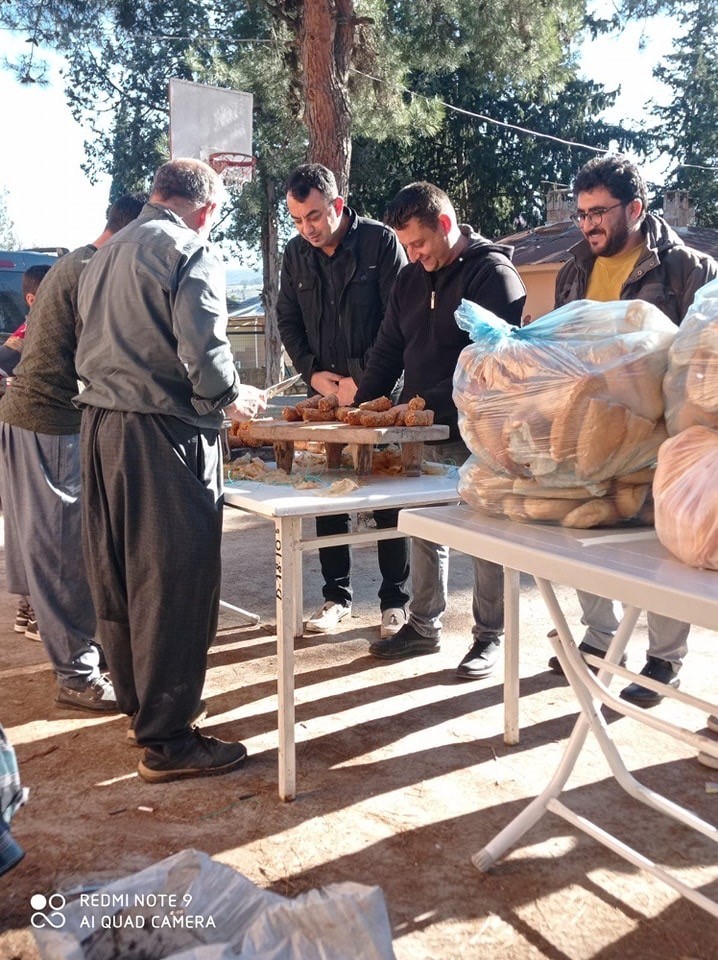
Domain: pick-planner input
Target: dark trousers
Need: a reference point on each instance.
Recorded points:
(152, 527)
(393, 556)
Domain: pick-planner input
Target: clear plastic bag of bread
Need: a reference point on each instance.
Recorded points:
(690, 386)
(572, 400)
(686, 496)
(608, 503)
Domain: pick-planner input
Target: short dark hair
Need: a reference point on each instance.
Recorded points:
(617, 174)
(124, 211)
(189, 179)
(312, 176)
(421, 201)
(32, 276)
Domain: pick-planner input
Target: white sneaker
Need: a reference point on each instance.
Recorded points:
(392, 620)
(327, 618)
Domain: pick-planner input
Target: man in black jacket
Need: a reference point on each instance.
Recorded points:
(336, 278)
(419, 335)
(629, 254)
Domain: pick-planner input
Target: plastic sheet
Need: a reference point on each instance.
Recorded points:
(686, 497)
(691, 382)
(189, 907)
(567, 408)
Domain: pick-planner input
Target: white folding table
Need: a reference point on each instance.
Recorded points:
(628, 565)
(287, 507)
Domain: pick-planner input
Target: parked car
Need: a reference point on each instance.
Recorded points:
(13, 263)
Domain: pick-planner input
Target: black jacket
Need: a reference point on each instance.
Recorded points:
(666, 275)
(419, 333)
(375, 258)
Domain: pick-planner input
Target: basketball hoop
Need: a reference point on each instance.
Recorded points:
(235, 169)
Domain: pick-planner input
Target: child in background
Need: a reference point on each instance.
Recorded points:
(11, 350)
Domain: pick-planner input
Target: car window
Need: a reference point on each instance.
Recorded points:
(11, 312)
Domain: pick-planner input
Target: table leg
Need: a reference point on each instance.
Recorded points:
(284, 454)
(511, 656)
(362, 456)
(411, 456)
(513, 832)
(287, 531)
(334, 455)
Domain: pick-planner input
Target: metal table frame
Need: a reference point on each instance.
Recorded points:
(287, 508)
(626, 565)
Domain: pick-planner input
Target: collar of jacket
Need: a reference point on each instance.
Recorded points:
(156, 211)
(480, 244)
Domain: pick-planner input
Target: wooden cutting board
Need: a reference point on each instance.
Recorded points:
(335, 436)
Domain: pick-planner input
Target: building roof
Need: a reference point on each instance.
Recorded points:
(551, 243)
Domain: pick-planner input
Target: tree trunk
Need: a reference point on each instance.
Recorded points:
(326, 41)
(270, 292)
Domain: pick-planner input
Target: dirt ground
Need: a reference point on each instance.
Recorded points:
(402, 776)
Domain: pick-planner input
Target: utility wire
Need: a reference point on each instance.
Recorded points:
(508, 126)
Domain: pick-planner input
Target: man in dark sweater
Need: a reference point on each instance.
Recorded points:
(419, 335)
(40, 480)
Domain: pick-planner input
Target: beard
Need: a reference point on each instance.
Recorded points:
(616, 241)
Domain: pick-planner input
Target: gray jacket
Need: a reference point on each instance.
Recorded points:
(667, 275)
(154, 323)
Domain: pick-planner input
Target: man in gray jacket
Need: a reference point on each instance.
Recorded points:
(159, 378)
(629, 254)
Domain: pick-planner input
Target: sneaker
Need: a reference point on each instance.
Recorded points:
(480, 661)
(32, 631)
(328, 617)
(24, 615)
(197, 717)
(406, 642)
(392, 620)
(660, 670)
(96, 695)
(584, 647)
(197, 757)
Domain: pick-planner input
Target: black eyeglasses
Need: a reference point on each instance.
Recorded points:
(594, 217)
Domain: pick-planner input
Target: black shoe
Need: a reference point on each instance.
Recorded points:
(660, 670)
(480, 661)
(584, 647)
(405, 643)
(97, 695)
(198, 756)
(197, 717)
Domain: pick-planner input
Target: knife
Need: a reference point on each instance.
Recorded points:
(280, 387)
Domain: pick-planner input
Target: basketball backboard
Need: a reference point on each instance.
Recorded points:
(209, 123)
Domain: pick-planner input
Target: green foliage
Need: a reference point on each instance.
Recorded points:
(688, 132)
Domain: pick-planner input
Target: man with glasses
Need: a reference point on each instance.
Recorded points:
(336, 278)
(629, 254)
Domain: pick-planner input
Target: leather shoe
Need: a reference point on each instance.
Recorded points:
(584, 647)
(405, 643)
(660, 670)
(480, 661)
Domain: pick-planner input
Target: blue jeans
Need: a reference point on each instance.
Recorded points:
(667, 638)
(430, 573)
